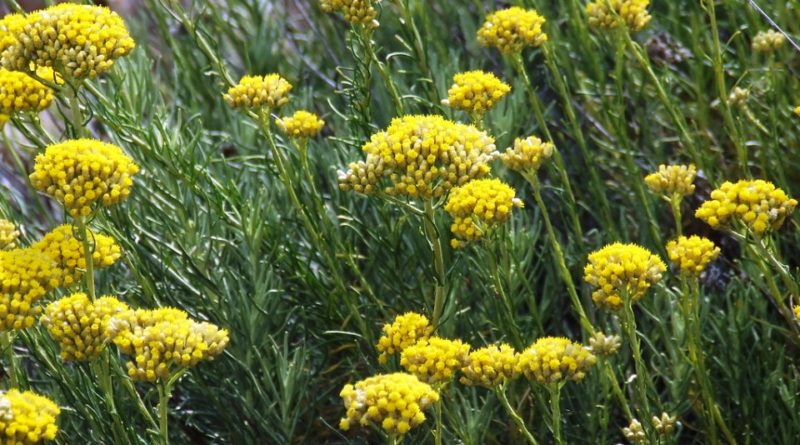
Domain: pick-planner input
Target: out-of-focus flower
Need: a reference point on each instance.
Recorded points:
(604, 345)
(27, 418)
(20, 93)
(631, 13)
(357, 12)
(672, 180)
(769, 41)
(664, 424)
(26, 275)
(634, 432)
(8, 234)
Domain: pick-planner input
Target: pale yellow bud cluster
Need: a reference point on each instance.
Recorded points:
(769, 41)
(256, 92)
(664, 424)
(621, 271)
(634, 432)
(301, 125)
(490, 366)
(555, 359)
(604, 345)
(609, 14)
(435, 360)
(528, 154)
(672, 180)
(738, 97)
(360, 12)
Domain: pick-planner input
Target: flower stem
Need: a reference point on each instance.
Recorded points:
(366, 39)
(78, 129)
(438, 432)
(629, 325)
(7, 343)
(102, 372)
(675, 205)
(432, 233)
(88, 251)
(164, 394)
(555, 411)
(501, 394)
(510, 321)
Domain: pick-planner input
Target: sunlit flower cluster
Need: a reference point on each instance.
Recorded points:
(692, 254)
(21, 93)
(301, 124)
(435, 360)
(512, 30)
(672, 180)
(66, 249)
(758, 204)
(8, 234)
(421, 156)
(27, 418)
(259, 92)
(621, 271)
(768, 41)
(631, 13)
(361, 12)
(477, 206)
(404, 331)
(79, 325)
(555, 359)
(490, 366)
(395, 402)
(476, 91)
(527, 154)
(26, 275)
(78, 41)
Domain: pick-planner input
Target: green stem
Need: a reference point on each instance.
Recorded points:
(78, 129)
(421, 56)
(501, 394)
(366, 39)
(432, 233)
(393, 439)
(510, 322)
(12, 367)
(164, 394)
(555, 411)
(629, 326)
(438, 432)
(88, 251)
(617, 389)
(102, 372)
(675, 205)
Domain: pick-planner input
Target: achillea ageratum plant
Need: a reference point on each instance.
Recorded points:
(512, 30)
(406, 330)
(767, 42)
(394, 402)
(672, 180)
(8, 234)
(490, 366)
(757, 204)
(67, 251)
(631, 13)
(420, 156)
(268, 92)
(692, 254)
(27, 418)
(26, 275)
(357, 12)
(555, 359)
(527, 154)
(621, 271)
(21, 93)
(80, 326)
(435, 360)
(301, 125)
(475, 92)
(78, 41)
(478, 206)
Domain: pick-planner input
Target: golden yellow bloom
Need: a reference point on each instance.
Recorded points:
(301, 124)
(79, 325)
(435, 360)
(403, 332)
(692, 254)
(490, 366)
(632, 13)
(8, 234)
(66, 249)
(26, 275)
(255, 92)
(512, 30)
(555, 359)
(604, 345)
(797, 110)
(361, 12)
(527, 154)
(11, 25)
(421, 156)
(672, 180)
(83, 173)
(619, 271)
(395, 402)
(78, 41)
(20, 93)
(757, 204)
(161, 341)
(475, 92)
(478, 206)
(768, 41)
(27, 418)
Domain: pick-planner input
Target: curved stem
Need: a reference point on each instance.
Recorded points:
(366, 39)
(501, 394)
(432, 234)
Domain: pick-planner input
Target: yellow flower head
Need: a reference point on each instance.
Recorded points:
(672, 180)
(11, 25)
(396, 402)
(619, 271)
(692, 254)
(512, 30)
(301, 125)
(435, 360)
(26, 275)
(80, 326)
(21, 93)
(421, 156)
(256, 92)
(555, 359)
(769, 41)
(8, 234)
(796, 310)
(757, 204)
(631, 13)
(66, 250)
(164, 340)
(527, 154)
(403, 332)
(84, 173)
(490, 366)
(78, 41)
(27, 418)
(357, 12)
(476, 92)
(477, 206)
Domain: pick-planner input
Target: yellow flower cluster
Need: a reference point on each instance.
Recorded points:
(66, 249)
(796, 310)
(604, 345)
(83, 173)
(256, 92)
(394, 401)
(422, 156)
(8, 234)
(403, 332)
(476, 91)
(769, 41)
(11, 25)
(527, 154)
(27, 418)
(301, 124)
(634, 432)
(692, 254)
(78, 41)
(756, 203)
(555, 359)
(490, 366)
(21, 93)
(435, 360)
(672, 180)
(163, 340)
(79, 325)
(619, 271)
(512, 30)
(477, 206)
(361, 12)
(631, 13)
(26, 275)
